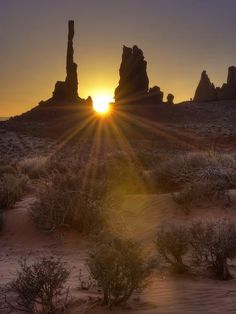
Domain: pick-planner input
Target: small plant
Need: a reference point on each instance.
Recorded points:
(120, 170)
(214, 243)
(34, 167)
(39, 288)
(64, 202)
(181, 170)
(200, 192)
(1, 221)
(7, 169)
(119, 269)
(172, 245)
(11, 189)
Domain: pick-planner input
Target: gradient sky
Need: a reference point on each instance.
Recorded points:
(179, 38)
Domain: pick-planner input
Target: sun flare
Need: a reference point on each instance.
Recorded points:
(101, 104)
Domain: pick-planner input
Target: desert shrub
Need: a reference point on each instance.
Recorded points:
(185, 169)
(200, 192)
(172, 245)
(7, 169)
(66, 202)
(1, 220)
(11, 189)
(34, 167)
(77, 192)
(39, 288)
(119, 268)
(120, 170)
(150, 159)
(213, 244)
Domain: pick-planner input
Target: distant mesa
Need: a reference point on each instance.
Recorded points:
(206, 90)
(134, 82)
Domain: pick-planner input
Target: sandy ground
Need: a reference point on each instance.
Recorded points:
(166, 293)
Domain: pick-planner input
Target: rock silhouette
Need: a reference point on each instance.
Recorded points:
(155, 95)
(206, 90)
(68, 89)
(134, 83)
(65, 109)
(133, 74)
(228, 90)
(66, 92)
(170, 99)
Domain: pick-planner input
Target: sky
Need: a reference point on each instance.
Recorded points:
(179, 38)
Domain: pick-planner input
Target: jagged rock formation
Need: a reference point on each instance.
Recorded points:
(133, 74)
(65, 110)
(68, 90)
(170, 99)
(206, 90)
(228, 90)
(134, 83)
(155, 95)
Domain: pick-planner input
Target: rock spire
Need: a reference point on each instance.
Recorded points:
(134, 83)
(133, 74)
(68, 90)
(206, 90)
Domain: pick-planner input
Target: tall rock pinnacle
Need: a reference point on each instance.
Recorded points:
(206, 90)
(134, 83)
(68, 90)
(133, 74)
(71, 67)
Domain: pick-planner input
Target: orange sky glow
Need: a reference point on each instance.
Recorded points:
(179, 39)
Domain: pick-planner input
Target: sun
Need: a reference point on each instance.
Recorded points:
(101, 104)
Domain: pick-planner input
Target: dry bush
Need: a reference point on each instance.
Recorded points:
(39, 288)
(7, 169)
(11, 189)
(201, 192)
(149, 158)
(78, 192)
(172, 244)
(180, 170)
(119, 170)
(34, 167)
(66, 202)
(1, 221)
(119, 268)
(213, 244)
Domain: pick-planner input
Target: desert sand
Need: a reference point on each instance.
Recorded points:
(166, 293)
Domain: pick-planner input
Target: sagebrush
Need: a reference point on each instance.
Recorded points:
(12, 187)
(181, 170)
(39, 288)
(120, 269)
(172, 244)
(213, 244)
